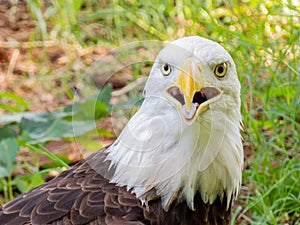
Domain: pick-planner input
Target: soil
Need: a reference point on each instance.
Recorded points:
(41, 72)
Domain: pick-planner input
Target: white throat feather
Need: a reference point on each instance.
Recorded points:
(157, 150)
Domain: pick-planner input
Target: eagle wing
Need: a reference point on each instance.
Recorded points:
(81, 195)
(84, 195)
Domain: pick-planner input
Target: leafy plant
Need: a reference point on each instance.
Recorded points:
(34, 131)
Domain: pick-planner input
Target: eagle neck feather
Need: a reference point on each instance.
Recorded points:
(158, 151)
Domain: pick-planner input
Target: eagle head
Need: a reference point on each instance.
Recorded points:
(185, 138)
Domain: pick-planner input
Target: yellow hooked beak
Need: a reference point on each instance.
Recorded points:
(190, 92)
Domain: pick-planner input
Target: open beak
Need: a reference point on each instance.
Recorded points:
(190, 92)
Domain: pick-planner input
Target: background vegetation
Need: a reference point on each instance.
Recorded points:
(41, 70)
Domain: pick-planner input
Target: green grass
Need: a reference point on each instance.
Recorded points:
(262, 37)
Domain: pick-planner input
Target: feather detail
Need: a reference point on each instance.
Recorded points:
(179, 166)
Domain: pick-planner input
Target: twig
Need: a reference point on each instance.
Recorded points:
(12, 63)
(129, 87)
(29, 44)
(243, 216)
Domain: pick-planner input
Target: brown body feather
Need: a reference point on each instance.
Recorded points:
(84, 195)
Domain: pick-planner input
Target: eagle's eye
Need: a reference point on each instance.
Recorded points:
(220, 70)
(165, 69)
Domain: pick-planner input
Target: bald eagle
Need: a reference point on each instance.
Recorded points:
(178, 160)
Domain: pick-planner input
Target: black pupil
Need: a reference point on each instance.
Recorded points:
(166, 67)
(220, 69)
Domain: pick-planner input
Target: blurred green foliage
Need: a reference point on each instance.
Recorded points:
(33, 131)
